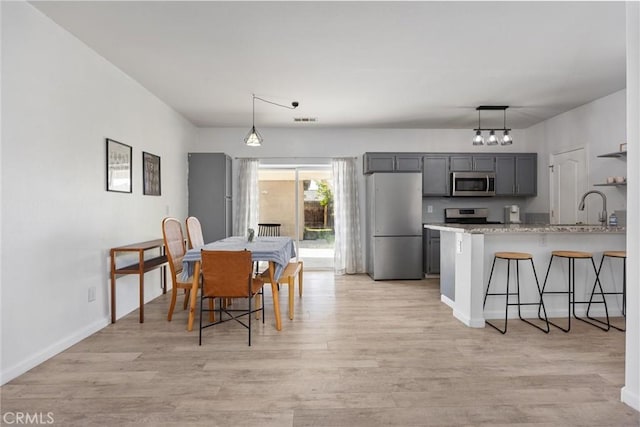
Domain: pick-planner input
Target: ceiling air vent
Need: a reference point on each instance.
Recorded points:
(305, 119)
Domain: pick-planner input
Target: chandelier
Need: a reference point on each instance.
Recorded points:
(478, 139)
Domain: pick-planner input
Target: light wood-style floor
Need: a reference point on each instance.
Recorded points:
(359, 353)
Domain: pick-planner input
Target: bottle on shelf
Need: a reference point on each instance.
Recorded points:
(613, 220)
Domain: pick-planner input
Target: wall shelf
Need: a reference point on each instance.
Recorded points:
(617, 155)
(619, 184)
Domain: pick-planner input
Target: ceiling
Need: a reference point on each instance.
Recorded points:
(359, 64)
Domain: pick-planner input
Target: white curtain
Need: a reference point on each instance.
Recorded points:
(247, 202)
(348, 250)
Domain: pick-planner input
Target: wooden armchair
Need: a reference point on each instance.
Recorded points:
(175, 250)
(229, 274)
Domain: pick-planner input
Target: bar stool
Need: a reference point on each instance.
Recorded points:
(516, 257)
(620, 255)
(571, 257)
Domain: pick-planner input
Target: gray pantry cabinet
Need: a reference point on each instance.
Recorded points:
(209, 184)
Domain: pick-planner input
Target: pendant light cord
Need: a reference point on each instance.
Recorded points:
(253, 113)
(293, 107)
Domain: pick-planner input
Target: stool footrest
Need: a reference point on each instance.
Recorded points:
(516, 257)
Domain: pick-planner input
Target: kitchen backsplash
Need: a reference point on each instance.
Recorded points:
(537, 218)
(494, 204)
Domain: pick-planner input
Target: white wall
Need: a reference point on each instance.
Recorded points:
(631, 390)
(599, 127)
(60, 101)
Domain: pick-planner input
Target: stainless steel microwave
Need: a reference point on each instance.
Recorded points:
(473, 184)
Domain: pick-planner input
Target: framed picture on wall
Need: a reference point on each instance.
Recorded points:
(150, 174)
(118, 166)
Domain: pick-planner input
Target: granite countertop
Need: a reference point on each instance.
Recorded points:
(525, 228)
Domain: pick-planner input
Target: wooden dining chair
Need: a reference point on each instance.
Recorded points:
(194, 232)
(175, 250)
(268, 229)
(229, 274)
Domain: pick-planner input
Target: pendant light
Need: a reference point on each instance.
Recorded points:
(493, 140)
(478, 139)
(253, 138)
(506, 138)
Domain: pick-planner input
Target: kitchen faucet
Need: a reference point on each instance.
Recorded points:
(602, 217)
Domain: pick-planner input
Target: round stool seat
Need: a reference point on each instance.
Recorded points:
(513, 255)
(615, 254)
(572, 254)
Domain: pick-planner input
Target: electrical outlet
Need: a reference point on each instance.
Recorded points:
(458, 243)
(429, 209)
(92, 293)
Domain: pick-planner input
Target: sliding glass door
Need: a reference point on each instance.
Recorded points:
(300, 199)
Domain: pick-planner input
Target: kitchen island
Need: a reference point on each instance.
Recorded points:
(466, 254)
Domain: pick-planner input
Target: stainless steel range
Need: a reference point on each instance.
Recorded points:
(467, 216)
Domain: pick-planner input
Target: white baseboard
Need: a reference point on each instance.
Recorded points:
(472, 323)
(47, 353)
(630, 398)
(447, 301)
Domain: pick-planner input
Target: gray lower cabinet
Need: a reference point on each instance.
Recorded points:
(435, 175)
(431, 243)
(209, 183)
(516, 175)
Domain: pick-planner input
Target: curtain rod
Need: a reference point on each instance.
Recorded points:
(295, 158)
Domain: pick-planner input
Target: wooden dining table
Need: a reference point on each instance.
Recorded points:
(277, 251)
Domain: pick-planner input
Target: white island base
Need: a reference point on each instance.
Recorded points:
(467, 254)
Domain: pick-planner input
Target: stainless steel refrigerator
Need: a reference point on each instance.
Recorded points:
(394, 226)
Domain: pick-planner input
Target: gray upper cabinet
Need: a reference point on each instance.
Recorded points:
(435, 175)
(378, 162)
(471, 162)
(505, 175)
(460, 163)
(527, 175)
(408, 163)
(209, 183)
(516, 175)
(392, 162)
(484, 163)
